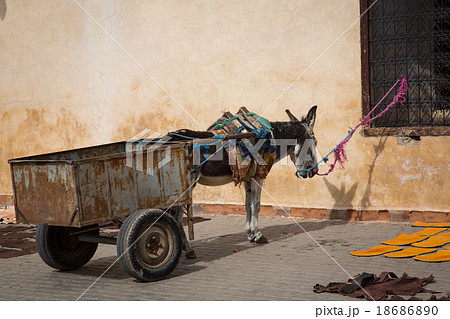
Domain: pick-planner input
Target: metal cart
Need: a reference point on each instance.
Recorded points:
(70, 195)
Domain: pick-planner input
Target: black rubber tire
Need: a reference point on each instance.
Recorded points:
(149, 244)
(60, 250)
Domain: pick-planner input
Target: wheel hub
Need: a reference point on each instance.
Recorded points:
(155, 246)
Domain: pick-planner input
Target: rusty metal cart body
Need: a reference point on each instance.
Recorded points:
(71, 194)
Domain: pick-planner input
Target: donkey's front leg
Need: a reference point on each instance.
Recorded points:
(252, 206)
(178, 215)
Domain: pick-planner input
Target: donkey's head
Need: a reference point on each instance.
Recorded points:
(304, 153)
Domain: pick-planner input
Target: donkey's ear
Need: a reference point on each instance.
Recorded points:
(311, 117)
(291, 116)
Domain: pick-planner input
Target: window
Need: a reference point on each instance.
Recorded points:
(410, 38)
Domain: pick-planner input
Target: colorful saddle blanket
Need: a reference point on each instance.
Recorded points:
(244, 165)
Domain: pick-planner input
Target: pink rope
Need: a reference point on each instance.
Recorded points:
(339, 152)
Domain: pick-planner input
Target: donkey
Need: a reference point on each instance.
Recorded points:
(290, 137)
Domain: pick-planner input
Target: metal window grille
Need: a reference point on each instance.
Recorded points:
(411, 38)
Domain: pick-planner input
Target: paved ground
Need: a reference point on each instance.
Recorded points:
(7, 214)
(286, 268)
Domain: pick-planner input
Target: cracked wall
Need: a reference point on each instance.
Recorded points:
(67, 84)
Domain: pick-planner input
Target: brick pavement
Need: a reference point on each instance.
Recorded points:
(284, 269)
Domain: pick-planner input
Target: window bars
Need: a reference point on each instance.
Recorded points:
(411, 38)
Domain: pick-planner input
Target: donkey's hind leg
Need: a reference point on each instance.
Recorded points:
(252, 206)
(178, 215)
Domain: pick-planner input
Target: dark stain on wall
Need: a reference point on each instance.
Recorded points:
(2, 9)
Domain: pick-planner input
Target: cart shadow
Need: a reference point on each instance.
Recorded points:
(207, 250)
(96, 268)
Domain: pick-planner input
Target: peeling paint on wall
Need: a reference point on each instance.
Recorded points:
(405, 178)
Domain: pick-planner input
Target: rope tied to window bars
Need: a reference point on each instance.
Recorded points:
(339, 153)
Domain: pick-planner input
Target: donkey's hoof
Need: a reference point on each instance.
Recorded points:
(262, 240)
(191, 255)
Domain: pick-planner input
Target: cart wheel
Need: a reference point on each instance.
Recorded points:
(149, 244)
(61, 250)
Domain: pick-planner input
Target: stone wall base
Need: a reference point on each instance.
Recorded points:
(398, 216)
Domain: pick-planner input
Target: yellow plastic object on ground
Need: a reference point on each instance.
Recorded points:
(434, 241)
(404, 239)
(374, 251)
(429, 231)
(422, 224)
(410, 252)
(440, 255)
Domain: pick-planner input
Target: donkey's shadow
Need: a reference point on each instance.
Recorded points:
(215, 248)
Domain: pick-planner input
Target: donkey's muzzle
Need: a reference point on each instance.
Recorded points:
(303, 174)
(308, 172)
(312, 172)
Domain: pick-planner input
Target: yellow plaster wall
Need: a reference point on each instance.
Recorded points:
(65, 83)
